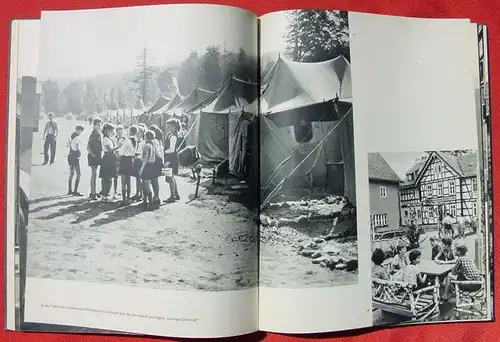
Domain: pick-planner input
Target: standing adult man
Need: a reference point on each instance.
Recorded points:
(94, 148)
(50, 135)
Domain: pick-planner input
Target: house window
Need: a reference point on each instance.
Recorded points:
(452, 187)
(406, 213)
(474, 209)
(410, 177)
(453, 210)
(440, 189)
(383, 192)
(429, 190)
(474, 184)
(379, 220)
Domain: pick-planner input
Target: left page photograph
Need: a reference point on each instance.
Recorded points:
(142, 210)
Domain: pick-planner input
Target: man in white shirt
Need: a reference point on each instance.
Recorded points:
(50, 135)
(74, 154)
(126, 171)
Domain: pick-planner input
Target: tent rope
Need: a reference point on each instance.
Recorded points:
(278, 187)
(290, 153)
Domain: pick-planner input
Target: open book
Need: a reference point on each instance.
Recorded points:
(306, 171)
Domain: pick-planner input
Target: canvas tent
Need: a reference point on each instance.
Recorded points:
(153, 116)
(193, 99)
(222, 123)
(306, 127)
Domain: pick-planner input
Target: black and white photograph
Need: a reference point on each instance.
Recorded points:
(142, 157)
(428, 256)
(308, 235)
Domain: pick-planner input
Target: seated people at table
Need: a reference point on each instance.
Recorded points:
(436, 248)
(400, 259)
(410, 274)
(464, 270)
(445, 256)
(378, 271)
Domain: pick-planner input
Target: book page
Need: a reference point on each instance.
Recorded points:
(420, 112)
(329, 100)
(21, 117)
(182, 261)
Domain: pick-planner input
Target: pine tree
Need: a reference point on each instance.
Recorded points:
(143, 79)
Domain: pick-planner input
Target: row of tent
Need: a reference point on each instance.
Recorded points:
(294, 97)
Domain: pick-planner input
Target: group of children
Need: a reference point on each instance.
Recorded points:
(142, 154)
(404, 266)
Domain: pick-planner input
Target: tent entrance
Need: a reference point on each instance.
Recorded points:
(335, 177)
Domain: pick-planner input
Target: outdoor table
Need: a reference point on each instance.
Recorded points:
(432, 268)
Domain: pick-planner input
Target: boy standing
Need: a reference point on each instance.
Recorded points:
(74, 154)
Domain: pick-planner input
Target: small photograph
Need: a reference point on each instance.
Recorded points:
(308, 235)
(427, 249)
(141, 168)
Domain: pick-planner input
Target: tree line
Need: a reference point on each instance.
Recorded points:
(311, 36)
(141, 89)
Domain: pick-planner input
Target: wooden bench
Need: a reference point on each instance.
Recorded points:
(400, 298)
(470, 302)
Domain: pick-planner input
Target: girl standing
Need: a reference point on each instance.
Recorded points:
(158, 145)
(171, 158)
(126, 170)
(108, 165)
(147, 171)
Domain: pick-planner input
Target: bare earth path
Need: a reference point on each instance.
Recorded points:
(208, 244)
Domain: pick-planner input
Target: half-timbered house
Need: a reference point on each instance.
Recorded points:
(443, 183)
(384, 194)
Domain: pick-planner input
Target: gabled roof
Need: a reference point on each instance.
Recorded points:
(464, 165)
(379, 169)
(468, 164)
(417, 168)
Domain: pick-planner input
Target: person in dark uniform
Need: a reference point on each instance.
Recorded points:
(74, 154)
(171, 158)
(139, 138)
(49, 135)
(148, 169)
(94, 148)
(158, 145)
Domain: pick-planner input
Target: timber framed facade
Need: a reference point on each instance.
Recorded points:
(444, 183)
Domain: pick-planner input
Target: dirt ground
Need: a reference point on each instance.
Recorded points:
(209, 244)
(288, 231)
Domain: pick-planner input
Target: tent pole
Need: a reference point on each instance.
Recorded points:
(271, 195)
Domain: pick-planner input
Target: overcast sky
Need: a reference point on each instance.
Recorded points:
(401, 162)
(27, 38)
(273, 30)
(91, 42)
